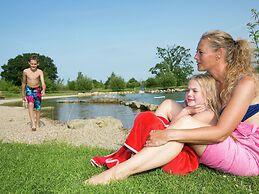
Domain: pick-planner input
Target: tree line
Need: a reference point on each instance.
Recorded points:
(173, 70)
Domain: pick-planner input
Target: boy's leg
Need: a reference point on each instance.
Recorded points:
(31, 114)
(37, 118)
(37, 105)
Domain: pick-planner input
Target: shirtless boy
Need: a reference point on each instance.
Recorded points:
(31, 90)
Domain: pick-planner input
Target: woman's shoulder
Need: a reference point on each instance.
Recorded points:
(244, 92)
(247, 82)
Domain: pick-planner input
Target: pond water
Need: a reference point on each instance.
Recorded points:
(68, 111)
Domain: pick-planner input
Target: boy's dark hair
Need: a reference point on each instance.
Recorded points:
(34, 57)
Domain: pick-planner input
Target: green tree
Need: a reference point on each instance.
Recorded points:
(71, 84)
(98, 84)
(115, 83)
(108, 80)
(253, 28)
(167, 79)
(83, 83)
(50, 85)
(175, 60)
(151, 82)
(132, 83)
(12, 71)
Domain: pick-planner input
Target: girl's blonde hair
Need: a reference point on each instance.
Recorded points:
(238, 57)
(209, 91)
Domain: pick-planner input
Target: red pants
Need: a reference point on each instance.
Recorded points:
(184, 163)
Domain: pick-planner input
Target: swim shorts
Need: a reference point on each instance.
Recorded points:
(34, 95)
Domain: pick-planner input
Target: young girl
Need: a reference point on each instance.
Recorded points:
(201, 102)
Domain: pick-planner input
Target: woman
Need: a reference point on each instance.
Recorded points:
(201, 102)
(232, 145)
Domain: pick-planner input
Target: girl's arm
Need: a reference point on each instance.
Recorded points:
(232, 115)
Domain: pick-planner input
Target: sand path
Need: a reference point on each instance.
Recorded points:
(106, 132)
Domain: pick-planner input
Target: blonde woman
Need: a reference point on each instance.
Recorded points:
(232, 145)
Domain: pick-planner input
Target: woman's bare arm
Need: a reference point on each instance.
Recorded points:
(233, 113)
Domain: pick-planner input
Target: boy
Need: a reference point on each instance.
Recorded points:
(31, 86)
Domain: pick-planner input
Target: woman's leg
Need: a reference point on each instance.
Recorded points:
(148, 158)
(168, 109)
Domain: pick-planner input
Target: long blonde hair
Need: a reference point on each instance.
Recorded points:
(238, 58)
(209, 91)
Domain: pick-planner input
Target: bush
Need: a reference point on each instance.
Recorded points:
(83, 83)
(71, 85)
(5, 85)
(132, 83)
(151, 82)
(14, 89)
(167, 80)
(116, 83)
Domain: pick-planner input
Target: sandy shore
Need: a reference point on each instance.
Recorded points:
(106, 132)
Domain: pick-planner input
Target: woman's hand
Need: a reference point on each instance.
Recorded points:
(157, 138)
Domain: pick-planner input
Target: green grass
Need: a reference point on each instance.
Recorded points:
(61, 168)
(10, 95)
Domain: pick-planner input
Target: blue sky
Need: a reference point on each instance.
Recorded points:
(101, 37)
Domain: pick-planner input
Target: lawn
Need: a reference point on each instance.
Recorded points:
(61, 168)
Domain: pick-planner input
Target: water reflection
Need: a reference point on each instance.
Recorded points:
(66, 112)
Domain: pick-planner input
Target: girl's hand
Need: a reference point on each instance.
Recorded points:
(195, 109)
(157, 138)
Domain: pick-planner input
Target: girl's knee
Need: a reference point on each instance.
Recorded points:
(168, 103)
(165, 106)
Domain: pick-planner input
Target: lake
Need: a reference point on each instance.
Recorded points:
(68, 111)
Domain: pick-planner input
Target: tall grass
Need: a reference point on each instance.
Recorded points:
(61, 168)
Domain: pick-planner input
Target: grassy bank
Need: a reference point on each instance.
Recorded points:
(61, 168)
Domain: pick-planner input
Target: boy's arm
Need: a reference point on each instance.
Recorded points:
(42, 83)
(24, 78)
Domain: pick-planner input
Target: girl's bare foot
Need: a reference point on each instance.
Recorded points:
(105, 177)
